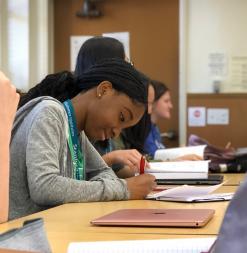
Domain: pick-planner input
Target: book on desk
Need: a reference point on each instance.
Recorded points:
(173, 153)
(167, 168)
(182, 172)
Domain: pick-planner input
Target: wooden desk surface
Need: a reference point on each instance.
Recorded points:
(71, 222)
(233, 179)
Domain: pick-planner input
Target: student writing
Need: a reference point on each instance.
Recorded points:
(108, 97)
(125, 159)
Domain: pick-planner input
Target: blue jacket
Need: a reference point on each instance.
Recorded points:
(153, 141)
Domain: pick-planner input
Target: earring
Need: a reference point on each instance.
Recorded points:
(99, 95)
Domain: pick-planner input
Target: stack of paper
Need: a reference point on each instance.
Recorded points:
(168, 169)
(188, 193)
(178, 170)
(191, 245)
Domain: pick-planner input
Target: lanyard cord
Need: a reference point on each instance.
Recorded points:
(73, 142)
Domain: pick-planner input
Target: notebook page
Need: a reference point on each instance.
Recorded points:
(181, 166)
(203, 198)
(173, 153)
(185, 191)
(191, 245)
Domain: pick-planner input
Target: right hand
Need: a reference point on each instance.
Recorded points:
(140, 186)
(189, 157)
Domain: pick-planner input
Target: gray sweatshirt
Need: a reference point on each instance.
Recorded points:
(41, 170)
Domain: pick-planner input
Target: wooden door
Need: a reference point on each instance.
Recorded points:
(153, 27)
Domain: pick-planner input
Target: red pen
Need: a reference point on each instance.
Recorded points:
(142, 164)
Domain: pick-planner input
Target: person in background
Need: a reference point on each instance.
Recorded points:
(123, 154)
(52, 160)
(161, 109)
(8, 104)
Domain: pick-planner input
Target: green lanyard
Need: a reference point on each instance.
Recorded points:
(73, 142)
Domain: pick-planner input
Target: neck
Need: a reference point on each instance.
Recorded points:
(80, 103)
(154, 118)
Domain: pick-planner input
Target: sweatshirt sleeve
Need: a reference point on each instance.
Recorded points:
(46, 154)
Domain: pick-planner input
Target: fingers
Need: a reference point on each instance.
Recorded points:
(132, 166)
(130, 157)
(190, 157)
(140, 186)
(197, 158)
(147, 165)
(228, 145)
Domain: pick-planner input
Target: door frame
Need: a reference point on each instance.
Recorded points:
(183, 37)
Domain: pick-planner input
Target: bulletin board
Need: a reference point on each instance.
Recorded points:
(234, 130)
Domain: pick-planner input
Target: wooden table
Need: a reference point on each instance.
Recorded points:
(231, 179)
(71, 222)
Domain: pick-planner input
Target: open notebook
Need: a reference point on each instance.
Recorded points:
(191, 245)
(173, 153)
(188, 193)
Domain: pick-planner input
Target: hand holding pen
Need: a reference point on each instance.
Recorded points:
(140, 186)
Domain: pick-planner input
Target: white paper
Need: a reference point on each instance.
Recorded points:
(206, 198)
(182, 166)
(173, 153)
(191, 245)
(197, 116)
(122, 37)
(217, 116)
(185, 191)
(75, 45)
(217, 64)
(179, 175)
(238, 74)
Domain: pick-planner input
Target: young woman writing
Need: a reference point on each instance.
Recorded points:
(52, 161)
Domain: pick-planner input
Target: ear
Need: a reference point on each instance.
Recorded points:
(103, 88)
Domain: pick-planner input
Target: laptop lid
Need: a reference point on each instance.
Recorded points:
(156, 217)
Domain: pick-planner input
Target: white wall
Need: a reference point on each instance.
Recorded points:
(41, 40)
(214, 26)
(26, 41)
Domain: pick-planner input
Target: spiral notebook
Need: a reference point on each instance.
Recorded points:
(191, 245)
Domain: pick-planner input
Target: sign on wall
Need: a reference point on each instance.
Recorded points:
(196, 116)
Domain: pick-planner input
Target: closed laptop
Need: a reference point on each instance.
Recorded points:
(156, 217)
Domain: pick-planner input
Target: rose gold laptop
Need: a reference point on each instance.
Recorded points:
(156, 217)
